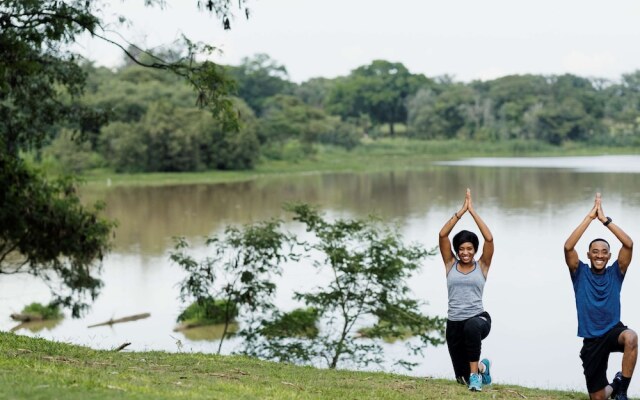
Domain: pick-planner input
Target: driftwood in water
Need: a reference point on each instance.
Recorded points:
(119, 320)
(26, 317)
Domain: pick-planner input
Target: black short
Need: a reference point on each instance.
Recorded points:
(595, 356)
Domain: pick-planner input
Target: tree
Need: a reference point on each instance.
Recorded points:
(171, 138)
(622, 109)
(225, 148)
(566, 120)
(513, 98)
(45, 230)
(239, 273)
(368, 266)
(379, 90)
(440, 114)
(259, 78)
(315, 91)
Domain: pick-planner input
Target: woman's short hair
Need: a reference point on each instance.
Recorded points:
(464, 237)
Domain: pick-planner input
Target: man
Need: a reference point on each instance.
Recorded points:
(597, 290)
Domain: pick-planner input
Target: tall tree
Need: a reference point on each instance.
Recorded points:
(258, 78)
(379, 90)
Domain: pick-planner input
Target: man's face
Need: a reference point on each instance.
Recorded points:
(599, 255)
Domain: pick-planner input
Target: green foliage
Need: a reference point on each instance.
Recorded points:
(45, 231)
(209, 311)
(43, 82)
(227, 149)
(444, 114)
(71, 156)
(339, 133)
(37, 79)
(239, 272)
(125, 95)
(287, 117)
(565, 121)
(156, 127)
(301, 322)
(168, 138)
(258, 78)
(287, 121)
(50, 311)
(315, 91)
(401, 323)
(378, 90)
(369, 267)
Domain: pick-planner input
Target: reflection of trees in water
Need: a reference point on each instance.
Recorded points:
(37, 326)
(208, 332)
(149, 216)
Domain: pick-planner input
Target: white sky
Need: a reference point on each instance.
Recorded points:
(468, 39)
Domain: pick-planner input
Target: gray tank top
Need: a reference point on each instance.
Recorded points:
(465, 293)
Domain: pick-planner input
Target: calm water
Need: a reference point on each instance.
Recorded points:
(531, 205)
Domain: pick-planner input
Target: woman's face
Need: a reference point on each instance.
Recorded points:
(466, 252)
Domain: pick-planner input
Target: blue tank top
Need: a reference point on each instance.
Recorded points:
(597, 299)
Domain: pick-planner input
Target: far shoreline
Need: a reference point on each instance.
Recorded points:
(376, 156)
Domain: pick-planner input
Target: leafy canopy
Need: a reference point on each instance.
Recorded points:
(44, 229)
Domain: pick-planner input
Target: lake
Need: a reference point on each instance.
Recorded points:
(530, 204)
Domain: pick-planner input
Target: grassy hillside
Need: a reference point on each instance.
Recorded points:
(40, 369)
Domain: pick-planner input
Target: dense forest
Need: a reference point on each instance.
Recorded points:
(151, 122)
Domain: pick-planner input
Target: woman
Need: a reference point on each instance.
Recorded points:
(467, 321)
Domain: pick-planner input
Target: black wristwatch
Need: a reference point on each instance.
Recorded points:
(607, 222)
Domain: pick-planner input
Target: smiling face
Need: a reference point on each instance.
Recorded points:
(466, 252)
(599, 255)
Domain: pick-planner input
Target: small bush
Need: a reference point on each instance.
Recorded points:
(46, 312)
(209, 312)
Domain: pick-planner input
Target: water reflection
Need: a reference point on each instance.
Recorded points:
(209, 332)
(37, 326)
(149, 216)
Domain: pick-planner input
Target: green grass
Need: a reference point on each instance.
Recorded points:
(32, 368)
(372, 156)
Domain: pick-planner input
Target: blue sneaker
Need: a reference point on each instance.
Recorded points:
(486, 375)
(475, 383)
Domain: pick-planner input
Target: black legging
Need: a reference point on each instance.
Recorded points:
(464, 339)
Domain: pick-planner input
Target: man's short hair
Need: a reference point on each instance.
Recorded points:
(599, 240)
(464, 237)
